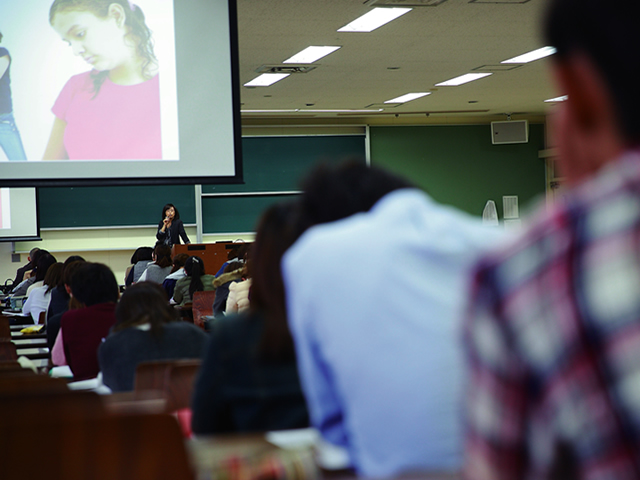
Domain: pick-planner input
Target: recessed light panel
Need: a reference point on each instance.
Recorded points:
(311, 54)
(266, 79)
(374, 19)
(531, 56)
(408, 97)
(469, 77)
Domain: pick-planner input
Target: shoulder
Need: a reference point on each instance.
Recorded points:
(185, 329)
(4, 52)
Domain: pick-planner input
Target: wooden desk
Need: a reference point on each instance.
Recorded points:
(212, 254)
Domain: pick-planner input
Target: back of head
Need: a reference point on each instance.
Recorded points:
(194, 268)
(45, 261)
(163, 255)
(605, 32)
(53, 276)
(178, 261)
(94, 283)
(332, 193)
(141, 303)
(143, 254)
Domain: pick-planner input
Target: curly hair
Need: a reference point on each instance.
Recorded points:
(134, 19)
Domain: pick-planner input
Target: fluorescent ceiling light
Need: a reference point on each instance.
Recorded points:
(374, 19)
(311, 54)
(408, 97)
(469, 77)
(558, 99)
(531, 56)
(266, 79)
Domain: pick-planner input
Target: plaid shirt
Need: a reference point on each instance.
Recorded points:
(553, 341)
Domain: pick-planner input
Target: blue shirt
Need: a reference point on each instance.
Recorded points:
(374, 304)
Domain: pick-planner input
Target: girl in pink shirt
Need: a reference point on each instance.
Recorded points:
(112, 111)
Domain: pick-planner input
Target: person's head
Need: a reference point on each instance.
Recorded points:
(596, 64)
(162, 255)
(194, 268)
(170, 211)
(142, 254)
(35, 256)
(144, 302)
(331, 193)
(32, 253)
(45, 261)
(53, 276)
(94, 283)
(68, 272)
(107, 34)
(178, 261)
(233, 266)
(274, 235)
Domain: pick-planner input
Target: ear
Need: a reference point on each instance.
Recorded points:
(117, 13)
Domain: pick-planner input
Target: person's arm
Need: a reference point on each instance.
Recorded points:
(325, 409)
(232, 299)
(57, 352)
(183, 234)
(496, 397)
(162, 231)
(178, 292)
(55, 147)
(5, 60)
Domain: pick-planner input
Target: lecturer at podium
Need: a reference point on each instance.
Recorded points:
(171, 228)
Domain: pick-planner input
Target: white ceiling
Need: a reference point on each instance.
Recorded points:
(426, 46)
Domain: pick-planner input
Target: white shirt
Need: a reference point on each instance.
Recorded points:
(37, 302)
(375, 303)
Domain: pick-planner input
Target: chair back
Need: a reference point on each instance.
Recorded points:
(202, 306)
(8, 352)
(5, 329)
(173, 378)
(42, 319)
(97, 447)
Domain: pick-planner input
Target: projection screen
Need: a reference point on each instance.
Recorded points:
(94, 100)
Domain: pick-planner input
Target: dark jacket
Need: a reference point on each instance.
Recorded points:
(238, 391)
(122, 351)
(173, 234)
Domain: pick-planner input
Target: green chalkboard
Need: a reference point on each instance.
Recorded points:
(112, 206)
(271, 164)
(458, 165)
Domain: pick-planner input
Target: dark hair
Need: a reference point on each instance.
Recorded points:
(144, 302)
(44, 263)
(233, 266)
(163, 255)
(167, 207)
(604, 31)
(141, 253)
(94, 283)
(53, 276)
(335, 192)
(67, 262)
(179, 261)
(34, 259)
(194, 268)
(134, 19)
(274, 236)
(69, 271)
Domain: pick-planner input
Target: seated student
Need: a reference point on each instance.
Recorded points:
(45, 261)
(195, 281)
(21, 289)
(177, 272)
(248, 381)
(140, 259)
(378, 345)
(22, 271)
(146, 329)
(235, 254)
(39, 298)
(55, 316)
(60, 294)
(234, 272)
(157, 271)
(82, 330)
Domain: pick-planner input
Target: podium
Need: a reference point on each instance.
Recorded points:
(212, 254)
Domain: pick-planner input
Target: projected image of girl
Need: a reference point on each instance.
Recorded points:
(10, 140)
(113, 110)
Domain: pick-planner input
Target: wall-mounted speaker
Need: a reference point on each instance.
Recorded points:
(515, 131)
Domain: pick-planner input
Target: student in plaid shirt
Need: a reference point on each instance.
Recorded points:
(553, 333)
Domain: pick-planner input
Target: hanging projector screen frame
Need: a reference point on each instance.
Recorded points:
(207, 106)
(19, 219)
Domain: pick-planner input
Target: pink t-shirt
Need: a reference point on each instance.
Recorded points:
(122, 122)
